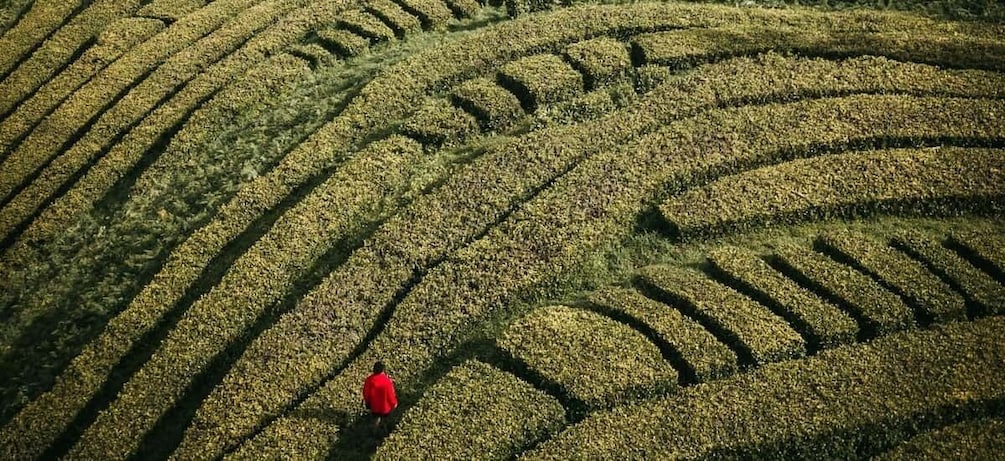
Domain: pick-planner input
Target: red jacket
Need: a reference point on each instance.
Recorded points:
(378, 393)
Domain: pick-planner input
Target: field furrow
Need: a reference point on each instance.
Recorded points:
(972, 439)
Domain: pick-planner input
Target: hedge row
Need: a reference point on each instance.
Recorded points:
(758, 335)
(365, 25)
(313, 53)
(50, 137)
(170, 10)
(541, 79)
(478, 279)
(921, 289)
(878, 310)
(594, 359)
(36, 426)
(985, 248)
(394, 16)
(823, 324)
(474, 412)
(590, 106)
(977, 286)
(602, 61)
(44, 17)
(433, 14)
(342, 42)
(258, 279)
(689, 47)
(56, 51)
(464, 8)
(440, 123)
(702, 356)
(974, 439)
(846, 403)
(115, 40)
(496, 108)
(927, 182)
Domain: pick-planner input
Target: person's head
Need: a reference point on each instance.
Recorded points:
(378, 367)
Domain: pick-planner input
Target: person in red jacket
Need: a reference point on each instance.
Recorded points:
(378, 394)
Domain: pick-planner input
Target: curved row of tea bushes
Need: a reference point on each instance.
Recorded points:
(56, 52)
(823, 324)
(986, 249)
(495, 107)
(976, 439)
(702, 357)
(685, 48)
(610, 189)
(36, 426)
(116, 39)
(338, 208)
(848, 402)
(602, 61)
(47, 153)
(475, 411)
(434, 14)
(394, 16)
(438, 224)
(170, 10)
(439, 123)
(342, 43)
(593, 359)
(42, 19)
(541, 79)
(977, 286)
(878, 310)
(758, 335)
(365, 25)
(929, 182)
(921, 289)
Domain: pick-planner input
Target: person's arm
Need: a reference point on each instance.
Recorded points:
(392, 397)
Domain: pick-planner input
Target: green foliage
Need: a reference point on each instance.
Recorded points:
(496, 108)
(822, 323)
(603, 61)
(976, 439)
(365, 25)
(926, 182)
(977, 286)
(987, 249)
(394, 16)
(879, 310)
(342, 42)
(169, 10)
(849, 402)
(439, 123)
(594, 359)
(919, 287)
(475, 411)
(747, 326)
(704, 357)
(541, 79)
(434, 14)
(114, 40)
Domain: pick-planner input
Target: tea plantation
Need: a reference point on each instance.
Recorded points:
(571, 230)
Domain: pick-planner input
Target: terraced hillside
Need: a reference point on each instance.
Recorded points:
(634, 229)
